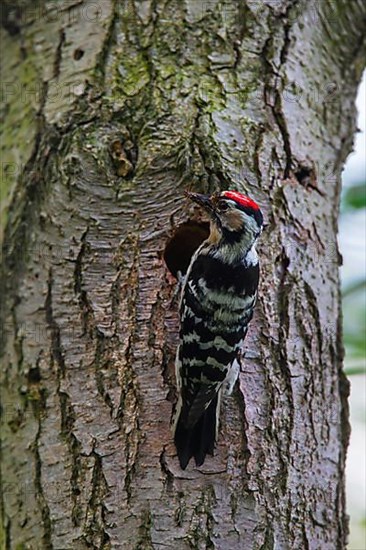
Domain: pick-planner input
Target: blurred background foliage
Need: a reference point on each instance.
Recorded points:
(352, 242)
(352, 232)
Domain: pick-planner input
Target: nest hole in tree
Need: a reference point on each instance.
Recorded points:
(182, 245)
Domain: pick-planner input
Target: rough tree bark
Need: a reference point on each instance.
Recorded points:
(110, 110)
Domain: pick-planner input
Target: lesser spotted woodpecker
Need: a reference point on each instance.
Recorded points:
(216, 305)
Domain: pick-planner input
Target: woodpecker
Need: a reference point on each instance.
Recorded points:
(216, 305)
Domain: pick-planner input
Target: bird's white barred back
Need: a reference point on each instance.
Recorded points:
(217, 302)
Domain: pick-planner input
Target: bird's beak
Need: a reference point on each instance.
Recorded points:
(202, 200)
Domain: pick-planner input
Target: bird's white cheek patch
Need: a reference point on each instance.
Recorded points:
(233, 220)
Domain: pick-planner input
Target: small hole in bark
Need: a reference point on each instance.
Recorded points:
(78, 54)
(305, 175)
(34, 376)
(183, 244)
(11, 18)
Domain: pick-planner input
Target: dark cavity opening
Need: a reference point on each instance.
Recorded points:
(78, 54)
(34, 376)
(183, 244)
(305, 175)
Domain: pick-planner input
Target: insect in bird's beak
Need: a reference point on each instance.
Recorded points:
(203, 200)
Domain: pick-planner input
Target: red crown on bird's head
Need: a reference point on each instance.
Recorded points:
(241, 199)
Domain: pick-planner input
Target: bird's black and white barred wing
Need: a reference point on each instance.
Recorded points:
(214, 320)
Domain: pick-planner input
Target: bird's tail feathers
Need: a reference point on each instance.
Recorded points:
(197, 440)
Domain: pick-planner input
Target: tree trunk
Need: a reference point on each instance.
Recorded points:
(110, 111)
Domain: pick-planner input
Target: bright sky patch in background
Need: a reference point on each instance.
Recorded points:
(352, 231)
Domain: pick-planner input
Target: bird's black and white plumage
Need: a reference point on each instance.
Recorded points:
(216, 306)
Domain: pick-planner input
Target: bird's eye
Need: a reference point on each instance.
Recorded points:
(223, 206)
